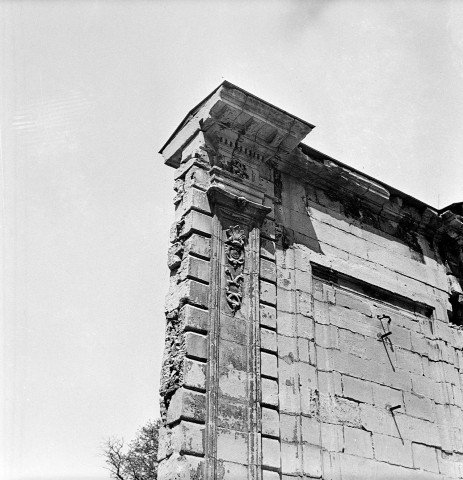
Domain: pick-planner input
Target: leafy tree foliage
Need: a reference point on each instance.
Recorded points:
(137, 461)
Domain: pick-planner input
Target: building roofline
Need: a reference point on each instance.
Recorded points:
(227, 84)
(310, 151)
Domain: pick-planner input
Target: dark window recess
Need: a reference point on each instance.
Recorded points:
(371, 291)
(456, 314)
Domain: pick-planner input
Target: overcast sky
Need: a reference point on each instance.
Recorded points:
(92, 90)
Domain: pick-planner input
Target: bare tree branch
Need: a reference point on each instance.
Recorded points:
(139, 460)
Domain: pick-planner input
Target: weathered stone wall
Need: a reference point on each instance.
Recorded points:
(307, 321)
(359, 402)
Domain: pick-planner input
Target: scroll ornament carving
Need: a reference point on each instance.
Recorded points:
(235, 255)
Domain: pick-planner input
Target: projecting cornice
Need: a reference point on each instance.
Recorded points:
(451, 219)
(233, 131)
(271, 130)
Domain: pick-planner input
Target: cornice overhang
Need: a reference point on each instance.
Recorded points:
(246, 123)
(451, 223)
(232, 108)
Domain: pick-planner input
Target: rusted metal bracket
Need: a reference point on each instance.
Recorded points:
(384, 337)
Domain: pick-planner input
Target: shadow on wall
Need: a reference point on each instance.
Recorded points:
(300, 208)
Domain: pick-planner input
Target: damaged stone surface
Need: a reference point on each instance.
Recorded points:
(314, 318)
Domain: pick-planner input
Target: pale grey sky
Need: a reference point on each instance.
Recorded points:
(92, 89)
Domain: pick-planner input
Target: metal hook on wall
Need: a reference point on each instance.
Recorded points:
(384, 337)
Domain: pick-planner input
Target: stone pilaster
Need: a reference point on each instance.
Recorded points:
(219, 394)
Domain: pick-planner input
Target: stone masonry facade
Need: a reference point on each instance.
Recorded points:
(313, 321)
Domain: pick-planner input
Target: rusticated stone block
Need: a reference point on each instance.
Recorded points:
(269, 392)
(268, 340)
(196, 346)
(194, 318)
(270, 422)
(195, 293)
(188, 291)
(269, 365)
(268, 316)
(198, 245)
(195, 222)
(194, 374)
(268, 292)
(187, 405)
(270, 452)
(268, 270)
(193, 198)
(194, 268)
(188, 438)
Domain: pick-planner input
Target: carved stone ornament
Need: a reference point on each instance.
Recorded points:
(234, 253)
(237, 168)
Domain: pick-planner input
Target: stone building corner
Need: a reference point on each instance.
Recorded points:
(313, 316)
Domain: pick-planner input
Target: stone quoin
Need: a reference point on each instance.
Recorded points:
(313, 321)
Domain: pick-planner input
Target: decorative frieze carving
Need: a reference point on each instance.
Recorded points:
(235, 256)
(237, 168)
